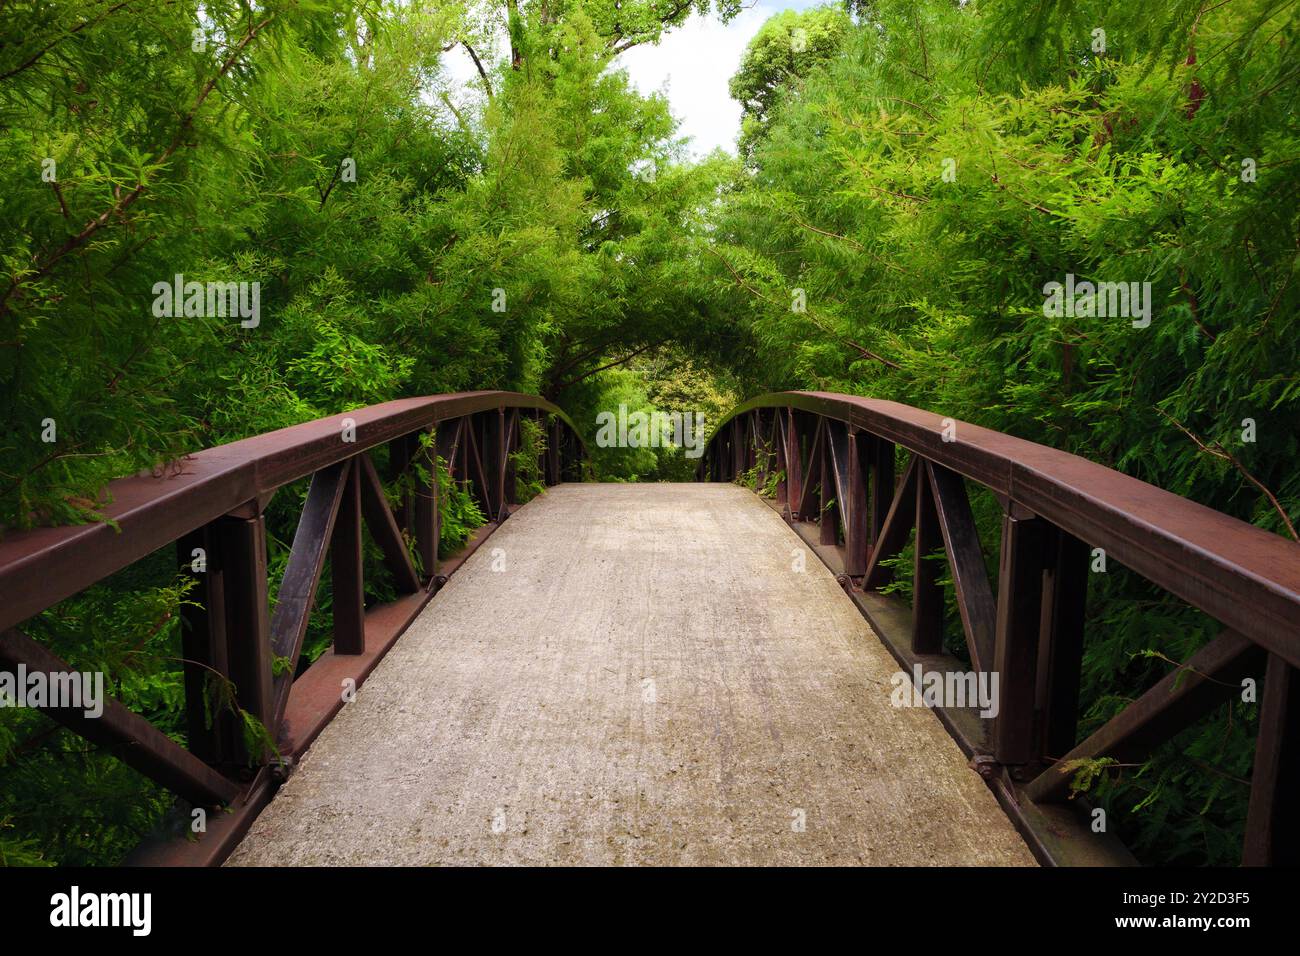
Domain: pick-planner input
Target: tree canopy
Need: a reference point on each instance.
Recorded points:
(787, 48)
(911, 177)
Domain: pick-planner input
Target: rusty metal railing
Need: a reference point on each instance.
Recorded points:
(214, 505)
(835, 456)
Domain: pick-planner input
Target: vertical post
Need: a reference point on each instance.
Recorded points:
(510, 438)
(762, 452)
(483, 430)
(751, 440)
(242, 548)
(472, 474)
(855, 523)
(1272, 830)
(1065, 594)
(427, 516)
(882, 486)
(827, 511)
(487, 449)
(493, 450)
(209, 729)
(794, 466)
(346, 568)
(737, 447)
(1015, 653)
(401, 451)
(449, 444)
(448, 439)
(780, 447)
(927, 595)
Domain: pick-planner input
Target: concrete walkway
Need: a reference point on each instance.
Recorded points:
(647, 681)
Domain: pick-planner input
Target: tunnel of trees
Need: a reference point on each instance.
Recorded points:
(910, 175)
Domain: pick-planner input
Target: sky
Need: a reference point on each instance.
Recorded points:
(692, 65)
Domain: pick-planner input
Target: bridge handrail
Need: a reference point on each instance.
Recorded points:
(42, 566)
(1239, 574)
(212, 503)
(836, 454)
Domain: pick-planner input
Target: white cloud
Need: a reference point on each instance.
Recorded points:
(691, 65)
(696, 61)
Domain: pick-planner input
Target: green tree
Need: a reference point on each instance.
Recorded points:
(787, 48)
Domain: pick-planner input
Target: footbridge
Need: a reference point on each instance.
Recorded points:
(714, 672)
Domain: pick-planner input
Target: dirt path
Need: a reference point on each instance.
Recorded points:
(648, 681)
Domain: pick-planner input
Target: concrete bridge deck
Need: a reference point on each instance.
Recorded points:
(646, 680)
